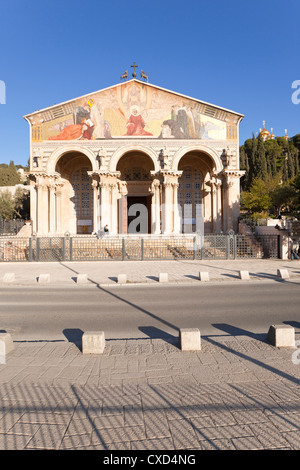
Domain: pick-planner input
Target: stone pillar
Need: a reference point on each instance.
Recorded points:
(52, 208)
(95, 205)
(232, 198)
(219, 205)
(177, 221)
(104, 205)
(113, 208)
(42, 206)
(33, 206)
(155, 207)
(216, 204)
(157, 188)
(58, 207)
(123, 218)
(167, 207)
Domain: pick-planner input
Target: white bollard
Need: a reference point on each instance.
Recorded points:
(9, 277)
(283, 273)
(93, 342)
(122, 278)
(163, 277)
(281, 336)
(190, 339)
(6, 346)
(204, 276)
(81, 279)
(244, 275)
(44, 278)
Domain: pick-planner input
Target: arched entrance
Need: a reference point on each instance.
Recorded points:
(135, 203)
(76, 199)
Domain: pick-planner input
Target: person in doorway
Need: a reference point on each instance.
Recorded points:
(106, 230)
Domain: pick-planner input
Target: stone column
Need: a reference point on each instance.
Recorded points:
(113, 208)
(218, 185)
(232, 198)
(52, 208)
(95, 205)
(104, 205)
(177, 221)
(58, 207)
(39, 207)
(123, 219)
(167, 207)
(42, 206)
(216, 207)
(155, 207)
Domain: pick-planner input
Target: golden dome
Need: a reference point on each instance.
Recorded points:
(264, 132)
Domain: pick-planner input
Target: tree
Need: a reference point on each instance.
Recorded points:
(7, 205)
(14, 205)
(258, 198)
(283, 197)
(260, 163)
(9, 175)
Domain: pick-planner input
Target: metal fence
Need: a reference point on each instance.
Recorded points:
(119, 248)
(10, 226)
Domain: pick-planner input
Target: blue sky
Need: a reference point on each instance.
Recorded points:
(238, 55)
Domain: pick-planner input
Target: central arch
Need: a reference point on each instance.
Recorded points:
(142, 149)
(135, 168)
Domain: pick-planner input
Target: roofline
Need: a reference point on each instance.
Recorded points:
(139, 81)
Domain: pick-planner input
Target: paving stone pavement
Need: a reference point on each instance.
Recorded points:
(237, 393)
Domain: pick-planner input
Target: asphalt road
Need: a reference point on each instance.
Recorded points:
(57, 313)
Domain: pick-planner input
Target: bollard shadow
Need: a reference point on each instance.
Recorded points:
(192, 276)
(236, 331)
(74, 335)
(153, 278)
(155, 333)
(233, 276)
(294, 324)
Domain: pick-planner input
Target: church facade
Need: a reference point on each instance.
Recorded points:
(137, 158)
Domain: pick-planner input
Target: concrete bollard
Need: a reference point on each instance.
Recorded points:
(81, 279)
(244, 275)
(9, 277)
(6, 346)
(281, 336)
(93, 342)
(283, 273)
(122, 278)
(190, 339)
(44, 278)
(204, 276)
(163, 277)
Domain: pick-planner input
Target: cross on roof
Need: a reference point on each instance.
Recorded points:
(134, 66)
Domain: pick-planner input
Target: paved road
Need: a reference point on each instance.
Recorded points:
(126, 312)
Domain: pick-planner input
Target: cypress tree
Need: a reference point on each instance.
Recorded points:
(260, 159)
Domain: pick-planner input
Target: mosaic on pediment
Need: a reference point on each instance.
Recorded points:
(133, 110)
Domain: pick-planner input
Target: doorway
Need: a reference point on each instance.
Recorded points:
(139, 214)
